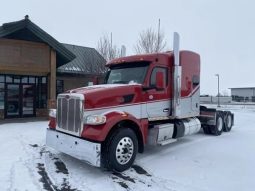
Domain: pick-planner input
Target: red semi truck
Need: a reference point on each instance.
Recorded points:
(150, 99)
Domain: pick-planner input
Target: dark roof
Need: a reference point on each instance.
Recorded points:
(87, 61)
(27, 30)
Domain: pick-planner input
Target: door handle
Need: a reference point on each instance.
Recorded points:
(166, 110)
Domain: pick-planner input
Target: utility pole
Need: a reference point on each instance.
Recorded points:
(218, 76)
(111, 52)
(158, 35)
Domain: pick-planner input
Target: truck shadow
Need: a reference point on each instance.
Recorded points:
(60, 172)
(153, 152)
(134, 178)
(72, 170)
(59, 168)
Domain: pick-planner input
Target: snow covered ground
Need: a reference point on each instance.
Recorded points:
(198, 162)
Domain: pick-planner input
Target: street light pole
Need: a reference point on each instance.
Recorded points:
(218, 76)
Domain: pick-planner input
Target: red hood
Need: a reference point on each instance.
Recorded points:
(110, 94)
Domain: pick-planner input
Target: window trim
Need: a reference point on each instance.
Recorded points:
(166, 76)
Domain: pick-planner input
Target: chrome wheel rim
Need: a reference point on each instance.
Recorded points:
(124, 150)
(220, 124)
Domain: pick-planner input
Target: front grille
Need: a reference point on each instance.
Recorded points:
(69, 114)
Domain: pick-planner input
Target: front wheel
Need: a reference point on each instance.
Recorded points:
(120, 150)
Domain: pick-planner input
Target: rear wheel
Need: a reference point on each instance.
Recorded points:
(218, 128)
(120, 150)
(228, 122)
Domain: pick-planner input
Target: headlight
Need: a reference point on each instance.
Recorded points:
(52, 113)
(95, 119)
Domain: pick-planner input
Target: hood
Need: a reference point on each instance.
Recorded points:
(108, 95)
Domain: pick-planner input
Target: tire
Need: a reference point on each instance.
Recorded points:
(218, 128)
(228, 122)
(120, 150)
(203, 108)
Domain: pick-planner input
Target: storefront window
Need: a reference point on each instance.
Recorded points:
(24, 80)
(2, 77)
(42, 89)
(41, 85)
(60, 86)
(31, 80)
(9, 79)
(44, 80)
(1, 95)
(16, 79)
(44, 96)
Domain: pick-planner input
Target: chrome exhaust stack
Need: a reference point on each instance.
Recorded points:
(176, 109)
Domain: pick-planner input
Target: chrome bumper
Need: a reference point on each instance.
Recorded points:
(84, 150)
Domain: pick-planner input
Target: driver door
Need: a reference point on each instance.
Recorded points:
(158, 101)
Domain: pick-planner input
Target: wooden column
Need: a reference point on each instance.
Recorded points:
(52, 93)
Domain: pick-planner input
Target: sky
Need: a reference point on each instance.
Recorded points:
(222, 32)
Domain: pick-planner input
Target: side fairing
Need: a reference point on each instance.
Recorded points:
(190, 105)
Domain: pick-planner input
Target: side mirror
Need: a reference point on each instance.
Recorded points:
(160, 81)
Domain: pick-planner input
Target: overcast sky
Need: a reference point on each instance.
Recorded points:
(222, 31)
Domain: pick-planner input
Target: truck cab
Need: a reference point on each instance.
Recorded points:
(155, 73)
(148, 99)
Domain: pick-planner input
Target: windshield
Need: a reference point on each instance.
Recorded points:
(127, 74)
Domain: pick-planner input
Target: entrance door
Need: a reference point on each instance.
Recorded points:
(12, 100)
(28, 100)
(158, 100)
(20, 100)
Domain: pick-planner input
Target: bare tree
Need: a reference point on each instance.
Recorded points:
(150, 41)
(225, 93)
(107, 49)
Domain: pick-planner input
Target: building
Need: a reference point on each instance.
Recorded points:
(88, 66)
(35, 67)
(243, 94)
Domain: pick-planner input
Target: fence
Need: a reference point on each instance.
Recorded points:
(214, 99)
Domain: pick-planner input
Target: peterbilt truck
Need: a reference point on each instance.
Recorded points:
(150, 99)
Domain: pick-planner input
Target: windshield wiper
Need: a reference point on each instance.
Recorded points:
(120, 82)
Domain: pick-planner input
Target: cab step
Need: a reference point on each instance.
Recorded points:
(168, 141)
